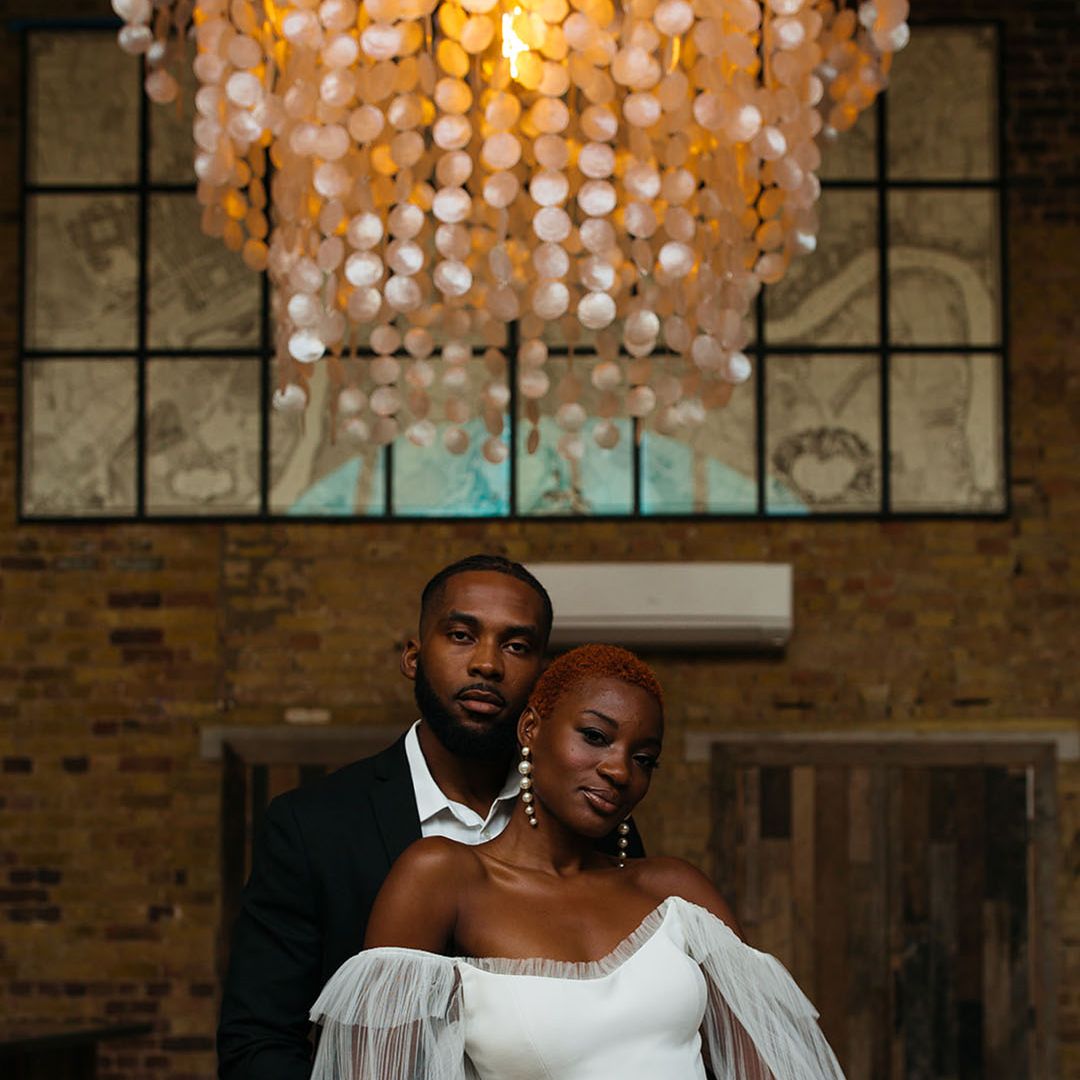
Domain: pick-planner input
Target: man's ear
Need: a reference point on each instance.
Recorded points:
(410, 655)
(528, 725)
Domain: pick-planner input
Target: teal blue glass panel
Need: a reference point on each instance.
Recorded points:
(706, 468)
(432, 482)
(602, 482)
(353, 488)
(317, 467)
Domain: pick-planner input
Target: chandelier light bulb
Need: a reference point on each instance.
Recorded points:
(624, 173)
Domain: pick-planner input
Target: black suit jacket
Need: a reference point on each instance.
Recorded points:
(321, 856)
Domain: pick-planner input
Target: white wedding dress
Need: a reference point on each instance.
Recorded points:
(680, 994)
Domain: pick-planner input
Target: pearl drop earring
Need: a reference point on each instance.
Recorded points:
(624, 842)
(525, 784)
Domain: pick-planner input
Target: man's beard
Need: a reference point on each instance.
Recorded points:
(489, 743)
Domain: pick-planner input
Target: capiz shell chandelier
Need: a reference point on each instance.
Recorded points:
(617, 176)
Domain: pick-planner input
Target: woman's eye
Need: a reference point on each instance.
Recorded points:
(647, 762)
(596, 738)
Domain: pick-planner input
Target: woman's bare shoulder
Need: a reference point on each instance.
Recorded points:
(664, 876)
(417, 906)
(435, 856)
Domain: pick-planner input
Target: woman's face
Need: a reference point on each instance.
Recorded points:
(594, 754)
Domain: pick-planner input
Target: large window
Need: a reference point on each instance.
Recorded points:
(145, 366)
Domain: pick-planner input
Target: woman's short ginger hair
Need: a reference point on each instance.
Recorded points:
(571, 669)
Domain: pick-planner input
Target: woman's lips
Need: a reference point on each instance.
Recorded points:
(601, 801)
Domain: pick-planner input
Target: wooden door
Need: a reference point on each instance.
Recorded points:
(909, 889)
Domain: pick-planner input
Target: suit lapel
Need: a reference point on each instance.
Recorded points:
(394, 800)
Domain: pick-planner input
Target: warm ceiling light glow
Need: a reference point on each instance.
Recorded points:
(618, 177)
(512, 45)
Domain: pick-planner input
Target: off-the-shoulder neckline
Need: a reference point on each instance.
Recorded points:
(542, 967)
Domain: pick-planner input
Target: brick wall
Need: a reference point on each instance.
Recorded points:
(118, 643)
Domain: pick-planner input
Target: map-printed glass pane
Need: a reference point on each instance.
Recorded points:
(830, 297)
(710, 468)
(823, 434)
(81, 272)
(83, 110)
(944, 286)
(602, 481)
(946, 430)
(202, 436)
(202, 296)
(434, 481)
(318, 467)
(79, 438)
(851, 155)
(172, 146)
(942, 106)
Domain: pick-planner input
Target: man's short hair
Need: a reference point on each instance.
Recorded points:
(592, 661)
(481, 563)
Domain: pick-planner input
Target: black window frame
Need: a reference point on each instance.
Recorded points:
(760, 350)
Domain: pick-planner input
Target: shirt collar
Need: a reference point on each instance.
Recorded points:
(430, 799)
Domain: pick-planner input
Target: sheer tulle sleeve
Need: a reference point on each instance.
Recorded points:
(391, 1014)
(758, 1023)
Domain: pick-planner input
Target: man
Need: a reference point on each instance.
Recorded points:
(324, 850)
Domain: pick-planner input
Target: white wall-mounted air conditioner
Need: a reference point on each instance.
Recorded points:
(702, 605)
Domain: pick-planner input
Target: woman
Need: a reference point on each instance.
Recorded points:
(535, 957)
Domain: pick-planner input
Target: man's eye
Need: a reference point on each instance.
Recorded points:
(459, 635)
(519, 647)
(647, 762)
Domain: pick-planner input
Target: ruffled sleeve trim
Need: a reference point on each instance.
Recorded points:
(391, 1014)
(758, 1024)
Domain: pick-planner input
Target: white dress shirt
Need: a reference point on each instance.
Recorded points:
(440, 816)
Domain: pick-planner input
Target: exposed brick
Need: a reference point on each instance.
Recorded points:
(135, 656)
(134, 600)
(934, 623)
(186, 1043)
(145, 764)
(136, 636)
(21, 562)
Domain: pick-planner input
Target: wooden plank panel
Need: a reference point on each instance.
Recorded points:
(775, 803)
(774, 929)
(1046, 933)
(1005, 951)
(942, 803)
(861, 889)
(830, 904)
(942, 957)
(750, 913)
(258, 799)
(970, 876)
(802, 877)
(894, 812)
(921, 822)
(915, 969)
(996, 964)
(881, 856)
(725, 831)
(740, 845)
(234, 854)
